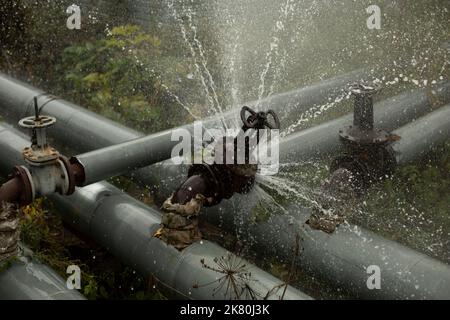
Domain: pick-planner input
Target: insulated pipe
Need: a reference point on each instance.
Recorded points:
(125, 227)
(421, 136)
(27, 279)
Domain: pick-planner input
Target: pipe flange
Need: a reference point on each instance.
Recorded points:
(28, 194)
(356, 136)
(361, 88)
(65, 179)
(71, 182)
(40, 157)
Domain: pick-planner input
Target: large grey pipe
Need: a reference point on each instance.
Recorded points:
(125, 227)
(317, 141)
(343, 257)
(420, 137)
(27, 279)
(98, 132)
(16, 102)
(396, 111)
(127, 156)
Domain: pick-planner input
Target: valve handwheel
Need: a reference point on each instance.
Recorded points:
(259, 120)
(37, 123)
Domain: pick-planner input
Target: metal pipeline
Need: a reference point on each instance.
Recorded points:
(202, 271)
(125, 227)
(118, 159)
(27, 279)
(421, 136)
(389, 114)
(397, 111)
(409, 274)
(16, 103)
(102, 164)
(318, 141)
(343, 256)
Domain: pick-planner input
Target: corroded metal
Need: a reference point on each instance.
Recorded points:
(209, 184)
(366, 153)
(40, 153)
(9, 231)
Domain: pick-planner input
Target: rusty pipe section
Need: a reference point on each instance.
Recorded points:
(11, 191)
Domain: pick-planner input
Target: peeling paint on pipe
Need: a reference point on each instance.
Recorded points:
(339, 259)
(124, 226)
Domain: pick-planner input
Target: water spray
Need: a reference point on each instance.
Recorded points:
(367, 158)
(209, 184)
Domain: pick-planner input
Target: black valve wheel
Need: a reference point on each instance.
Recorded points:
(259, 120)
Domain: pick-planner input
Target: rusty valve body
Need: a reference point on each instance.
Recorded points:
(367, 155)
(219, 180)
(209, 184)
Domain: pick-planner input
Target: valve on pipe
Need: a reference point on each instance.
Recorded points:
(367, 158)
(46, 170)
(209, 184)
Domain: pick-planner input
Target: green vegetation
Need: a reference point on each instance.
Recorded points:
(118, 71)
(413, 206)
(124, 77)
